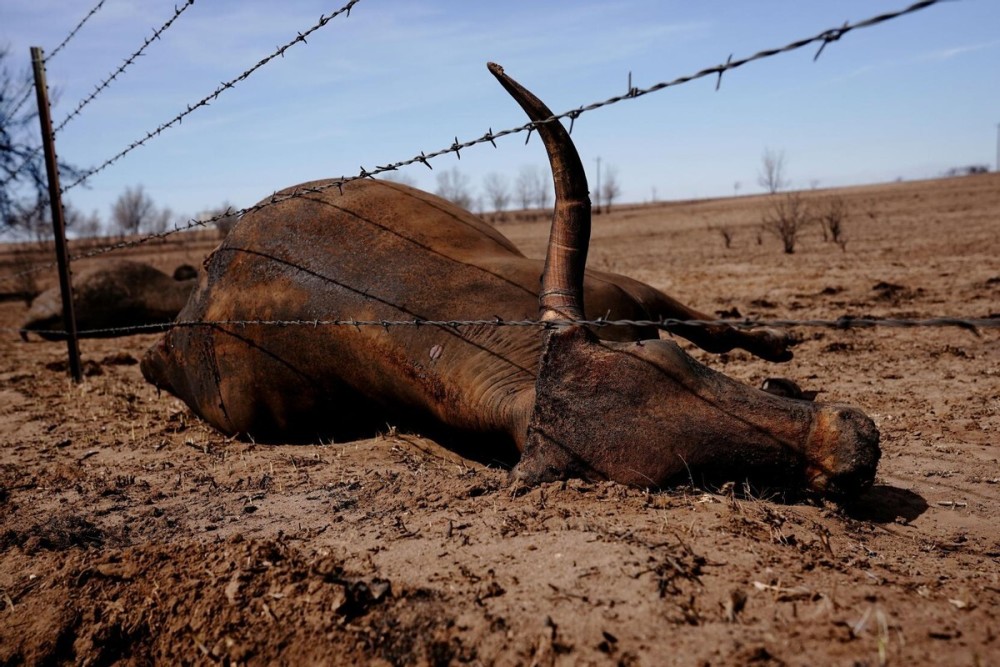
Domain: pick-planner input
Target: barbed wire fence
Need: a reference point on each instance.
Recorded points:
(823, 39)
(300, 38)
(98, 89)
(214, 95)
(103, 85)
(664, 324)
(28, 88)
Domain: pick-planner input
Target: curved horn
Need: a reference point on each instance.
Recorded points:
(562, 281)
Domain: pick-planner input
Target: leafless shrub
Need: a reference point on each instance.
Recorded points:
(726, 232)
(772, 171)
(871, 210)
(786, 218)
(832, 218)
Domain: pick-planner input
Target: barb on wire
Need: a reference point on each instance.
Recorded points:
(490, 136)
(666, 324)
(301, 37)
(128, 61)
(31, 86)
(75, 30)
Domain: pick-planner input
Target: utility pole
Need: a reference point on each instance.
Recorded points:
(597, 190)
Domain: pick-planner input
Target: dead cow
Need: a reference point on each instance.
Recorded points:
(118, 295)
(636, 409)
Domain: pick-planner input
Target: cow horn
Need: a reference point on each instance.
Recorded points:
(562, 280)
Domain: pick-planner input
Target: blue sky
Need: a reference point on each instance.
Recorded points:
(909, 98)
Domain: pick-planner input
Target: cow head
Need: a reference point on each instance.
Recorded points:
(645, 412)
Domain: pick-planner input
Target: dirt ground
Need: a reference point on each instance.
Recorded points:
(130, 532)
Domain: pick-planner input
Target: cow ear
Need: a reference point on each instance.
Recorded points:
(552, 450)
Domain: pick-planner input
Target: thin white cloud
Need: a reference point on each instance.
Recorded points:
(954, 52)
(937, 55)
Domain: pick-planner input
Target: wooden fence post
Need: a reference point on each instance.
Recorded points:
(55, 201)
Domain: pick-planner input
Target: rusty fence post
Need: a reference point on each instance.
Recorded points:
(55, 201)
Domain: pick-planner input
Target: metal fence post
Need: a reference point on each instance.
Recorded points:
(55, 201)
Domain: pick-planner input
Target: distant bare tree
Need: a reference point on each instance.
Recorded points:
(134, 211)
(23, 181)
(524, 186)
(31, 221)
(611, 189)
(161, 221)
(453, 185)
(36, 222)
(543, 190)
(497, 192)
(225, 218)
(772, 171)
(786, 218)
(533, 187)
(88, 226)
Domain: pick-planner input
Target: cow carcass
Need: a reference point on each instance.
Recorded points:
(111, 299)
(611, 403)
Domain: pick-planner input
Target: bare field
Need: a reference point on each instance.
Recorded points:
(130, 532)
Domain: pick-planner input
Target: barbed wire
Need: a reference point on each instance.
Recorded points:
(128, 61)
(825, 37)
(844, 323)
(100, 87)
(31, 86)
(75, 30)
(301, 37)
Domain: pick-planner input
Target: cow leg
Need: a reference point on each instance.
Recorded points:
(763, 342)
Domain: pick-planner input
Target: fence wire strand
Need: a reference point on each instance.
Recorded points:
(27, 93)
(823, 38)
(301, 37)
(75, 30)
(665, 324)
(100, 87)
(121, 69)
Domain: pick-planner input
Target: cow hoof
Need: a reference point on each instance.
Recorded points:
(770, 344)
(787, 389)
